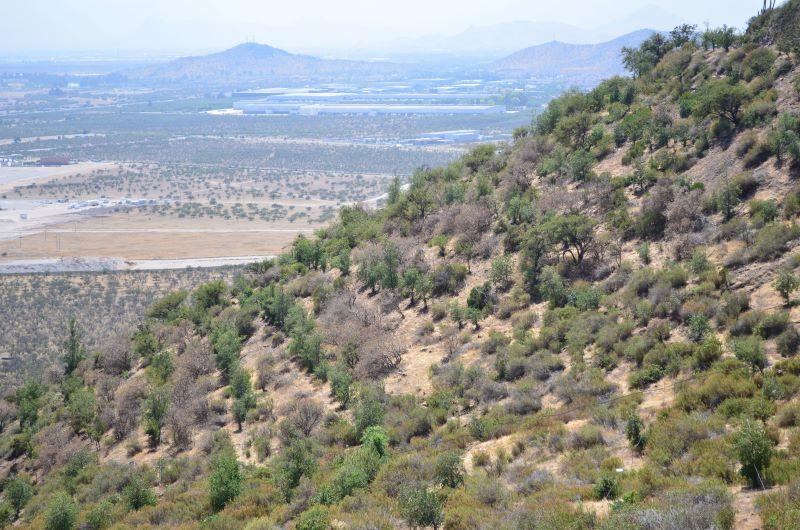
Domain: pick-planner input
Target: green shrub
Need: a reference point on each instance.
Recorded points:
(607, 487)
(750, 350)
(788, 342)
(772, 324)
(421, 507)
(786, 283)
(18, 491)
(139, 493)
(635, 432)
(449, 470)
(646, 376)
(315, 518)
(755, 451)
(708, 352)
(61, 513)
(225, 482)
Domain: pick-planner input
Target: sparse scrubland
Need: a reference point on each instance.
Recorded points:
(592, 327)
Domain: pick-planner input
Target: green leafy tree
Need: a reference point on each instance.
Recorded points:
(458, 314)
(139, 492)
(28, 398)
(723, 100)
(227, 346)
(315, 518)
(449, 470)
(421, 508)
(82, 409)
(785, 284)
(502, 272)
(635, 432)
(342, 261)
(475, 315)
(241, 406)
(698, 327)
(410, 281)
(225, 482)
(394, 193)
(728, 197)
(535, 247)
(18, 491)
(154, 411)
(552, 287)
(440, 242)
(309, 252)
(755, 451)
(341, 384)
(785, 139)
(368, 412)
(210, 294)
(74, 352)
(295, 462)
(574, 232)
(61, 513)
(466, 249)
(376, 439)
(708, 352)
(750, 350)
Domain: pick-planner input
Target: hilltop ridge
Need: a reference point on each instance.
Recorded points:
(554, 58)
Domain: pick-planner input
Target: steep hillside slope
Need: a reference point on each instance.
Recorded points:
(594, 327)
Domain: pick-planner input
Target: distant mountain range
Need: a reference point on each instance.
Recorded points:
(253, 63)
(501, 39)
(560, 59)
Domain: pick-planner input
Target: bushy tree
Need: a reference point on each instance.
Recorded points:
(210, 294)
(723, 100)
(449, 470)
(61, 513)
(139, 493)
(750, 350)
(227, 346)
(18, 491)
(574, 232)
(755, 451)
(784, 139)
(74, 352)
(502, 272)
(315, 518)
(786, 283)
(154, 411)
(728, 197)
(225, 482)
(421, 507)
(376, 439)
(635, 432)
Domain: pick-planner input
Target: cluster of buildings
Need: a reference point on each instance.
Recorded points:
(367, 101)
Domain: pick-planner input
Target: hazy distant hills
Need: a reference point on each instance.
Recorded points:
(251, 63)
(496, 38)
(501, 39)
(590, 61)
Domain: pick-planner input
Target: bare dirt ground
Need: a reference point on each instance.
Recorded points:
(144, 237)
(11, 177)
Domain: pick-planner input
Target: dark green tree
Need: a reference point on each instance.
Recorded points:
(225, 482)
(74, 352)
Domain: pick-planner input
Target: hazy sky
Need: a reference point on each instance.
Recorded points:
(66, 25)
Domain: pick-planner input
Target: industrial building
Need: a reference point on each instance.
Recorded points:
(268, 107)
